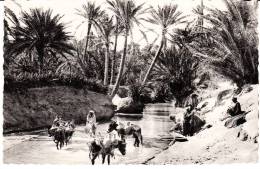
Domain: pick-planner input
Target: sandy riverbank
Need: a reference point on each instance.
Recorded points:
(219, 144)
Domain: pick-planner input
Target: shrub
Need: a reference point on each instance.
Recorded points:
(161, 93)
(138, 93)
(176, 68)
(31, 80)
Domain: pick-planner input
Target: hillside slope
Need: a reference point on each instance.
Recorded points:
(219, 144)
(36, 107)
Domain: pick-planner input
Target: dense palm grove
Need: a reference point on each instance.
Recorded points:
(38, 51)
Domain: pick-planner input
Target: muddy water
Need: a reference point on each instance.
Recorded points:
(40, 149)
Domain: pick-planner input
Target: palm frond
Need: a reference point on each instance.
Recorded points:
(40, 30)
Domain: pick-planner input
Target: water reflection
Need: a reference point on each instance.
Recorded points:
(155, 121)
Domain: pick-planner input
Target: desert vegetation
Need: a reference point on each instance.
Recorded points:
(38, 51)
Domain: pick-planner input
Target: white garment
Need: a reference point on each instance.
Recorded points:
(92, 119)
(113, 135)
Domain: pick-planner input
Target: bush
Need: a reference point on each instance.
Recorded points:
(138, 93)
(32, 80)
(175, 72)
(161, 93)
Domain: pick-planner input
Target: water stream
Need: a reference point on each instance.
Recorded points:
(155, 125)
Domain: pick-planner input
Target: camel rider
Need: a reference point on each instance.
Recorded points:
(234, 109)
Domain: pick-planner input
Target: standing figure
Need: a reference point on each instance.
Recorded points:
(188, 122)
(91, 122)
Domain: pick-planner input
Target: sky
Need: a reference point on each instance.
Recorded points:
(72, 20)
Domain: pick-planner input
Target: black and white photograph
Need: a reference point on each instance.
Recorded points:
(130, 82)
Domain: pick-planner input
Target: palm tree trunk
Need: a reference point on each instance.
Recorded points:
(40, 51)
(106, 64)
(202, 13)
(113, 60)
(121, 67)
(153, 62)
(87, 40)
(165, 45)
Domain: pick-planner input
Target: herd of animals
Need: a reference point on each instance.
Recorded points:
(100, 146)
(105, 148)
(62, 131)
(62, 134)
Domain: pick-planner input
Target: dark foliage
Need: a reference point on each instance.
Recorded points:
(233, 51)
(35, 80)
(176, 68)
(38, 35)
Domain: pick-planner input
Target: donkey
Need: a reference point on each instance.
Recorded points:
(68, 135)
(58, 137)
(134, 130)
(106, 149)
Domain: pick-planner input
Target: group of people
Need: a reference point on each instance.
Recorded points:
(58, 122)
(187, 127)
(91, 127)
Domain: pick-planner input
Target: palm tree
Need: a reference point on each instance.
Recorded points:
(177, 69)
(199, 10)
(9, 20)
(234, 51)
(114, 53)
(105, 26)
(118, 30)
(165, 17)
(41, 33)
(90, 13)
(127, 13)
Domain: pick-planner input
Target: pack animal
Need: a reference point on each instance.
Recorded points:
(60, 136)
(106, 150)
(133, 130)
